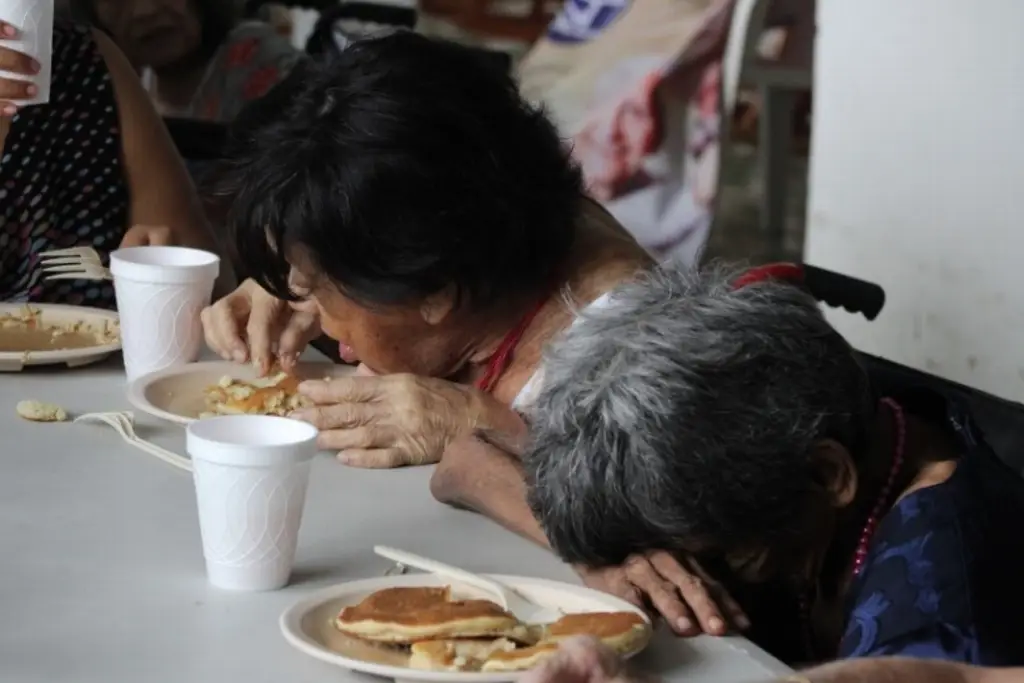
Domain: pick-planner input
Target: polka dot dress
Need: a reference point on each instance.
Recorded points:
(61, 179)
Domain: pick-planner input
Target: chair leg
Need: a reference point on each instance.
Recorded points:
(775, 142)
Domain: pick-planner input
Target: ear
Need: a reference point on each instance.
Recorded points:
(835, 471)
(436, 307)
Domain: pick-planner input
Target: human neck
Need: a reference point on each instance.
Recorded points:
(603, 256)
(924, 447)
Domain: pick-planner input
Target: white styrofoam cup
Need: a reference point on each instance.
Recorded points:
(160, 293)
(33, 20)
(251, 473)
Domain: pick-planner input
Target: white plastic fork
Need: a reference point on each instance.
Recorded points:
(77, 263)
(124, 424)
(526, 611)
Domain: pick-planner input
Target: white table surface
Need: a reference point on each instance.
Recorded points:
(101, 569)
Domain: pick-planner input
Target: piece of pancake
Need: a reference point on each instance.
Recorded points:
(40, 411)
(623, 632)
(276, 394)
(456, 655)
(520, 660)
(409, 614)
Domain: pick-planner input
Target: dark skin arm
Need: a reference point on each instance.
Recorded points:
(897, 670)
(477, 475)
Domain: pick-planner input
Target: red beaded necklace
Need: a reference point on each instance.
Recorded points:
(883, 499)
(877, 513)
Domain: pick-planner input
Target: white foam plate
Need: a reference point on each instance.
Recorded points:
(176, 394)
(60, 315)
(308, 626)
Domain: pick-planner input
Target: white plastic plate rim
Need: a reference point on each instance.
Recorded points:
(291, 623)
(135, 391)
(60, 314)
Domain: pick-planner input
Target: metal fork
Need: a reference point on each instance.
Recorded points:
(124, 424)
(77, 263)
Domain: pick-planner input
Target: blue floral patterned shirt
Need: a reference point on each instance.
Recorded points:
(944, 577)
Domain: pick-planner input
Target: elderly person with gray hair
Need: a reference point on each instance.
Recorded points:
(733, 425)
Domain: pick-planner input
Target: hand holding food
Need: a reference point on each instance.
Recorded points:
(251, 325)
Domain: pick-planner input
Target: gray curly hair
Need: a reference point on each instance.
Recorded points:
(682, 415)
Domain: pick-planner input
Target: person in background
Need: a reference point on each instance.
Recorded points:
(195, 59)
(93, 167)
(585, 660)
(716, 415)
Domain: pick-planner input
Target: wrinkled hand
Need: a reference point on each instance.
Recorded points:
(388, 421)
(147, 236)
(580, 660)
(251, 325)
(690, 601)
(11, 61)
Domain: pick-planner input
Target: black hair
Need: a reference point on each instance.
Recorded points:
(216, 17)
(401, 167)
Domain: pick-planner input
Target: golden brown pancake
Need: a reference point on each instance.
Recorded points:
(520, 660)
(411, 614)
(624, 632)
(456, 655)
(274, 395)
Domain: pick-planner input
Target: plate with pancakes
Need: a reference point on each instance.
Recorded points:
(191, 392)
(425, 628)
(54, 334)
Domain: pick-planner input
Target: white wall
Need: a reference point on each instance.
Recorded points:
(917, 179)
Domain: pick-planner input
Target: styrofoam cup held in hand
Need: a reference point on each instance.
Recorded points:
(251, 473)
(33, 20)
(160, 293)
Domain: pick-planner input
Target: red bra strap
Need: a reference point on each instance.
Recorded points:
(502, 358)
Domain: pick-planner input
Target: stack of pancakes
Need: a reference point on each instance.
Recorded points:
(277, 395)
(441, 633)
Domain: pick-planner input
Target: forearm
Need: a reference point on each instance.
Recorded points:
(498, 425)
(490, 483)
(900, 670)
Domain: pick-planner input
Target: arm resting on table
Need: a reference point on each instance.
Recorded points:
(900, 670)
(478, 476)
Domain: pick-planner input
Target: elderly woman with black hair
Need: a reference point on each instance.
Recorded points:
(404, 200)
(194, 56)
(732, 424)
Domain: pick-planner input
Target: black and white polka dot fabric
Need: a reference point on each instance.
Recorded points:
(62, 183)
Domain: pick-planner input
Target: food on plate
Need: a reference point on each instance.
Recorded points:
(276, 394)
(39, 411)
(439, 633)
(621, 631)
(456, 655)
(26, 331)
(409, 614)
(521, 659)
